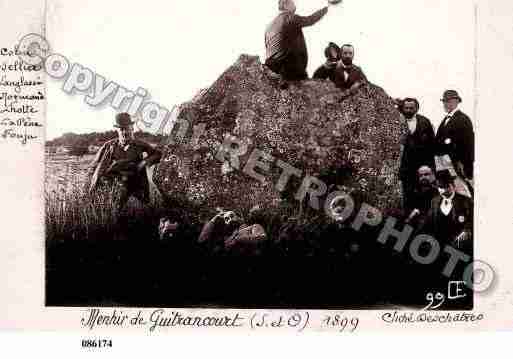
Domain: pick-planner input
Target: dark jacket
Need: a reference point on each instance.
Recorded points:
(421, 201)
(107, 155)
(419, 150)
(285, 42)
(324, 73)
(355, 74)
(446, 229)
(456, 138)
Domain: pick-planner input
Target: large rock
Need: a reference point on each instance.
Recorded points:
(353, 144)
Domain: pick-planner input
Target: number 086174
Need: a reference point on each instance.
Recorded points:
(96, 343)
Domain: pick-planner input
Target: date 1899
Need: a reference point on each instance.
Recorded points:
(341, 322)
(96, 343)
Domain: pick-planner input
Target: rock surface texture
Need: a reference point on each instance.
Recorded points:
(352, 144)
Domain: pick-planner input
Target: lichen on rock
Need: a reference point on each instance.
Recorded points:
(350, 143)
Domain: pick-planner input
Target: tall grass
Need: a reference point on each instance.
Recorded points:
(71, 213)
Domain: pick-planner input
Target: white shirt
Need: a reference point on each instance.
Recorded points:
(412, 124)
(345, 70)
(446, 204)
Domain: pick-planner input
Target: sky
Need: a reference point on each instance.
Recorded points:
(173, 49)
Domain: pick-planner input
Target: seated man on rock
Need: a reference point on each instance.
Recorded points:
(327, 70)
(286, 52)
(348, 77)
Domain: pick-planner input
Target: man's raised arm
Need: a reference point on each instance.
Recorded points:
(304, 21)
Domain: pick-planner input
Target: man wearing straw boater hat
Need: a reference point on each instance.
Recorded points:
(455, 138)
(120, 162)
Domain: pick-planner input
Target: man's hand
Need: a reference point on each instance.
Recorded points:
(463, 237)
(141, 166)
(334, 2)
(345, 94)
(460, 169)
(413, 214)
(354, 89)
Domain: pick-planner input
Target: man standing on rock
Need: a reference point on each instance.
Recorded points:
(286, 52)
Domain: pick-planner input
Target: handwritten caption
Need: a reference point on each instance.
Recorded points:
(397, 317)
(21, 97)
(160, 319)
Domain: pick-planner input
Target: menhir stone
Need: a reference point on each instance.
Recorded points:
(352, 144)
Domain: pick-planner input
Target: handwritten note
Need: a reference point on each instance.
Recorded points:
(21, 98)
(161, 319)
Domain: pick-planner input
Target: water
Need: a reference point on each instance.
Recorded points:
(65, 173)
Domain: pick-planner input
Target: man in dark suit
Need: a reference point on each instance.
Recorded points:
(121, 164)
(327, 70)
(423, 195)
(419, 149)
(348, 77)
(286, 52)
(450, 222)
(450, 218)
(455, 137)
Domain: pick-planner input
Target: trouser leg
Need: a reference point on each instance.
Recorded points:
(121, 198)
(408, 195)
(288, 68)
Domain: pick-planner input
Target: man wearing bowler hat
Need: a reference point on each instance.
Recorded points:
(450, 218)
(121, 163)
(455, 136)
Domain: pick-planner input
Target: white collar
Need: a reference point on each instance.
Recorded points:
(446, 205)
(126, 146)
(450, 114)
(450, 198)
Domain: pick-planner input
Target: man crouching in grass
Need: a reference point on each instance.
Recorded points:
(120, 165)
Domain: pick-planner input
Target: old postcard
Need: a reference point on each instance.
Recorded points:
(280, 165)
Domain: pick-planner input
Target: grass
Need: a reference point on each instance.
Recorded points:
(72, 214)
